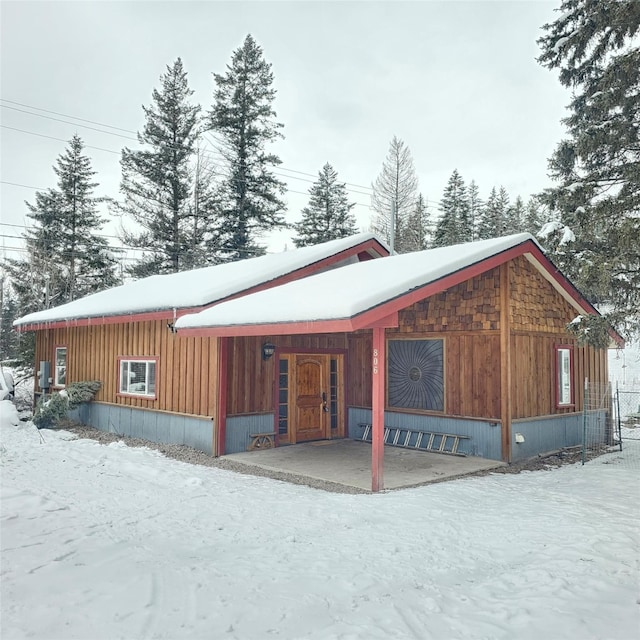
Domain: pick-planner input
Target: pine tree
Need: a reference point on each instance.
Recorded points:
(157, 182)
(8, 313)
(494, 218)
(515, 217)
(328, 215)
(417, 235)
(533, 217)
(475, 207)
(454, 225)
(594, 45)
(66, 258)
(397, 182)
(243, 119)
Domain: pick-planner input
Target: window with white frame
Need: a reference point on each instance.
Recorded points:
(60, 370)
(564, 391)
(138, 377)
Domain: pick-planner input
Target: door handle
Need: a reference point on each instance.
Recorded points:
(324, 402)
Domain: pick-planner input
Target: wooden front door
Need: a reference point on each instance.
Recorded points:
(311, 398)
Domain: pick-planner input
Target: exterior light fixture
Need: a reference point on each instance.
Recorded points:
(268, 350)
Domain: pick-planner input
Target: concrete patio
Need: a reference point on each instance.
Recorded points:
(348, 463)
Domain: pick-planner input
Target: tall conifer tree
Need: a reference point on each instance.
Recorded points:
(243, 120)
(328, 215)
(515, 217)
(417, 235)
(66, 258)
(494, 218)
(157, 182)
(475, 207)
(454, 225)
(533, 217)
(594, 45)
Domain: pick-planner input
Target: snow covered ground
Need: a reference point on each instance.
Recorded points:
(116, 542)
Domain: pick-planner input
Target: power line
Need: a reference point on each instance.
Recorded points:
(75, 124)
(64, 115)
(27, 186)
(41, 135)
(359, 186)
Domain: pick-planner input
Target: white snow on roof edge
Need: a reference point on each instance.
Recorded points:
(350, 290)
(195, 288)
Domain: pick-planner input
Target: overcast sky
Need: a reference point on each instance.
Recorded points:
(457, 81)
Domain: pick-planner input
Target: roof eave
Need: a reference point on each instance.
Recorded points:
(389, 309)
(372, 246)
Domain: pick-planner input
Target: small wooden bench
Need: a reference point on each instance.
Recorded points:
(261, 441)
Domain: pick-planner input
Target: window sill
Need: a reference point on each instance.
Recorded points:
(140, 396)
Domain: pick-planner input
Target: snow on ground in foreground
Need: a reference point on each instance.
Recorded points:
(116, 542)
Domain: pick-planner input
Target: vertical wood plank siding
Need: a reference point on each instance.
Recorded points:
(539, 315)
(251, 379)
(185, 376)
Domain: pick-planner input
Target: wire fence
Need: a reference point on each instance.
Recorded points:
(626, 409)
(611, 423)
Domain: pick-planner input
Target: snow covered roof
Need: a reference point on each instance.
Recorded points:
(205, 286)
(351, 291)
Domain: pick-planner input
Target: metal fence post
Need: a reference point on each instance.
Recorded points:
(584, 420)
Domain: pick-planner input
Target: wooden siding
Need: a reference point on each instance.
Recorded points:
(251, 379)
(535, 304)
(185, 377)
(539, 315)
(533, 373)
(467, 317)
(471, 371)
(473, 305)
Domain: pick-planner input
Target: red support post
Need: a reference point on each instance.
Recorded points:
(378, 393)
(221, 405)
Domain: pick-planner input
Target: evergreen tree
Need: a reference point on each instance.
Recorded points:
(66, 259)
(515, 217)
(417, 234)
(494, 219)
(397, 182)
(454, 225)
(328, 215)
(594, 45)
(8, 313)
(243, 119)
(533, 217)
(157, 182)
(475, 207)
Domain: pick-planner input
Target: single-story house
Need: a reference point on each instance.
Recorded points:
(460, 349)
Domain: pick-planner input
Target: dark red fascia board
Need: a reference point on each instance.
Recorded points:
(369, 247)
(385, 314)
